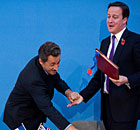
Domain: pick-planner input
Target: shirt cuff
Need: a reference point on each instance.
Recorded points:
(128, 85)
(67, 126)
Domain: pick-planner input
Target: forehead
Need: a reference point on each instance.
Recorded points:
(53, 59)
(114, 10)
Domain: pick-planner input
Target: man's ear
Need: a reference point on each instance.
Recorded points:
(125, 20)
(40, 61)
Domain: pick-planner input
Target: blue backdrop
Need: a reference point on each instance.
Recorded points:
(78, 26)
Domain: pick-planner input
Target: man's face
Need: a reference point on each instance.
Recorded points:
(51, 65)
(115, 20)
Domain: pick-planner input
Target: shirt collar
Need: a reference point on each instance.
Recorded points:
(46, 72)
(118, 35)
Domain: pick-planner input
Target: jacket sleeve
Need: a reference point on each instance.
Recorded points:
(40, 95)
(60, 84)
(134, 79)
(93, 86)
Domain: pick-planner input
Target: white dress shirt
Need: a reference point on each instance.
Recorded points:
(117, 39)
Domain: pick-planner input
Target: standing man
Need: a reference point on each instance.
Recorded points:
(30, 101)
(120, 104)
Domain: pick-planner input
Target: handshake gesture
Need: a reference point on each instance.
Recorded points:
(74, 98)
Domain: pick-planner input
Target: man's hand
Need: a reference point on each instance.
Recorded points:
(120, 81)
(75, 99)
(71, 128)
(71, 95)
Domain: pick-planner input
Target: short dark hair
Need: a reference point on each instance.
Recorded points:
(47, 49)
(123, 6)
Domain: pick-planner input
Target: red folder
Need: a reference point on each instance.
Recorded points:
(106, 65)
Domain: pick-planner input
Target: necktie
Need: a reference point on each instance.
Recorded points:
(111, 58)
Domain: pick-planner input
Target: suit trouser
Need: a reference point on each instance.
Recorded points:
(110, 124)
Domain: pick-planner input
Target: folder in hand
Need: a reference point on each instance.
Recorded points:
(106, 65)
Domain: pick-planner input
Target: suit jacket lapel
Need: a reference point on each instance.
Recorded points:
(120, 47)
(104, 48)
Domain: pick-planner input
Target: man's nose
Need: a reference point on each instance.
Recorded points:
(110, 19)
(56, 67)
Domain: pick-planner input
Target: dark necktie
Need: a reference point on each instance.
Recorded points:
(111, 58)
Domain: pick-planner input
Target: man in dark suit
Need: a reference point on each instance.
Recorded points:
(120, 104)
(30, 101)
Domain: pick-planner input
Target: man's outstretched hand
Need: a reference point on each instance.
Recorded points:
(75, 98)
(71, 128)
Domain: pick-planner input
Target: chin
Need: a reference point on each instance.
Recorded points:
(52, 73)
(110, 30)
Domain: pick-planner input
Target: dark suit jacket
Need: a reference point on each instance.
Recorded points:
(124, 103)
(30, 101)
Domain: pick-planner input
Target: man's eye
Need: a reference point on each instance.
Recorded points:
(52, 64)
(115, 17)
(108, 16)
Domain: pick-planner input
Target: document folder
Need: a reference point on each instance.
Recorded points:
(106, 65)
